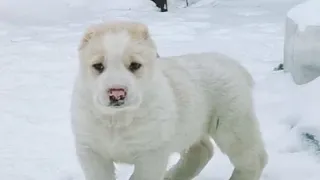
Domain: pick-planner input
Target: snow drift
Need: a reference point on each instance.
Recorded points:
(302, 42)
(307, 104)
(306, 14)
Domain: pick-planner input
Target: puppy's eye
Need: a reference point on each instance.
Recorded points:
(98, 67)
(134, 66)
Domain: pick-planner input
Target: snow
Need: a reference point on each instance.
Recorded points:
(199, 3)
(39, 61)
(302, 42)
(306, 14)
(57, 10)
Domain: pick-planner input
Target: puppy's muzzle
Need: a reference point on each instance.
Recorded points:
(117, 96)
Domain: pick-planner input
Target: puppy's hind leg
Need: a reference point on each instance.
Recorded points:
(239, 138)
(192, 162)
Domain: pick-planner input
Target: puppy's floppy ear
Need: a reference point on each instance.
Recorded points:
(144, 32)
(140, 31)
(90, 32)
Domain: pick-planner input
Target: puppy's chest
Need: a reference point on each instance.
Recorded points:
(118, 144)
(123, 144)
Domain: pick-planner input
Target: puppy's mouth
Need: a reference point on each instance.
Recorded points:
(117, 104)
(121, 104)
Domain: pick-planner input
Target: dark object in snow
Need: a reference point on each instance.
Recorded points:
(162, 4)
(279, 68)
(312, 141)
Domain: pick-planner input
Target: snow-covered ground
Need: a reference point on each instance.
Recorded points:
(38, 61)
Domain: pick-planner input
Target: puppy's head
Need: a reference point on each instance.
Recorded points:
(116, 62)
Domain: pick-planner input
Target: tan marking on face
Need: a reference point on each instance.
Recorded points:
(117, 44)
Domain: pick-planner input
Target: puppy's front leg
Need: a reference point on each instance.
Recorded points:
(150, 166)
(94, 166)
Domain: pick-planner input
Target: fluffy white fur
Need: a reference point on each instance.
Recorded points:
(174, 104)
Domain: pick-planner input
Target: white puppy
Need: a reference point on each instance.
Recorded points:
(130, 106)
